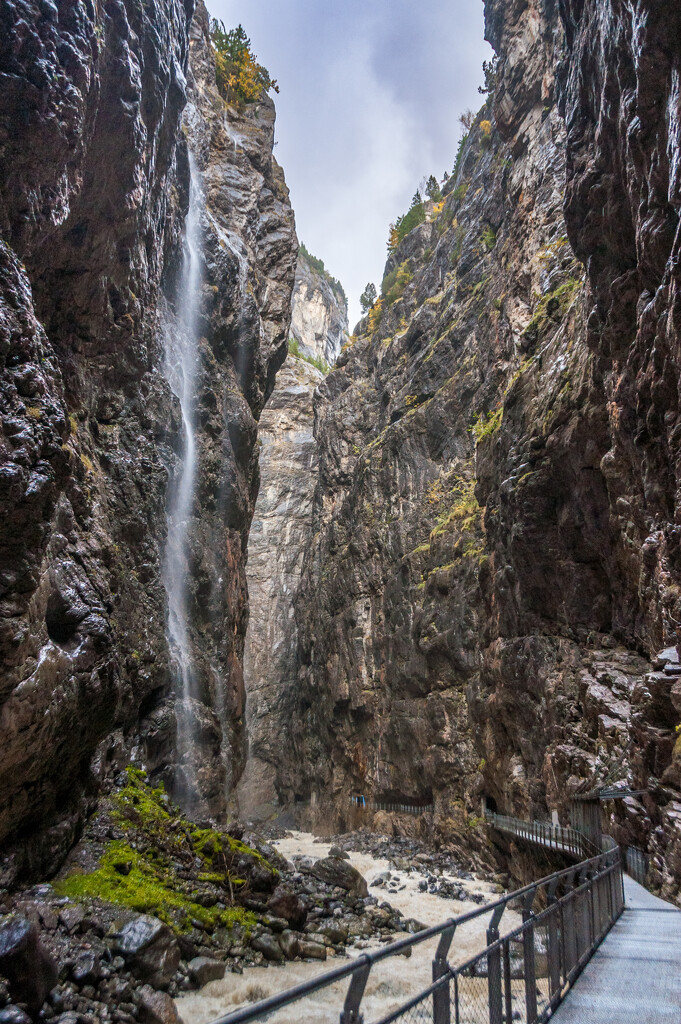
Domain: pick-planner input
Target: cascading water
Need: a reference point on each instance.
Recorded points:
(182, 337)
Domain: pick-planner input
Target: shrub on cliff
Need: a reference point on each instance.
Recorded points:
(317, 361)
(395, 283)
(239, 77)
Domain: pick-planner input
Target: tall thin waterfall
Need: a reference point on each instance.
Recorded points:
(182, 337)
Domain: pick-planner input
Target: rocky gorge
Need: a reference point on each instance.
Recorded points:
(490, 580)
(255, 569)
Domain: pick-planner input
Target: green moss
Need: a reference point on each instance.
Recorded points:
(463, 515)
(148, 888)
(459, 236)
(156, 838)
(138, 802)
(316, 361)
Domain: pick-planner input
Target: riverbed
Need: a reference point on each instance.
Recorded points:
(391, 982)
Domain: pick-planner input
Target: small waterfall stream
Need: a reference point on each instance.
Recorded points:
(181, 338)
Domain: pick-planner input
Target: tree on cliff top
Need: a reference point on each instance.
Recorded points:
(238, 75)
(433, 189)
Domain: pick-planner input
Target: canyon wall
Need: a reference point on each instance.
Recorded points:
(486, 585)
(319, 322)
(94, 189)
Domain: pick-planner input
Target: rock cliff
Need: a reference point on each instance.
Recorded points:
(94, 190)
(249, 246)
(491, 571)
(278, 542)
(319, 321)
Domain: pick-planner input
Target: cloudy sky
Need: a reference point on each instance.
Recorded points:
(371, 93)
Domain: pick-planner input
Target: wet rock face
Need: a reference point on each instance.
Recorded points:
(91, 112)
(620, 94)
(319, 314)
(94, 193)
(279, 538)
(249, 248)
(445, 475)
(474, 607)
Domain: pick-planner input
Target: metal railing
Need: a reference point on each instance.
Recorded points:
(381, 805)
(544, 833)
(521, 976)
(636, 864)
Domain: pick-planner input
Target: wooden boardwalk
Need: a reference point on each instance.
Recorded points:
(635, 975)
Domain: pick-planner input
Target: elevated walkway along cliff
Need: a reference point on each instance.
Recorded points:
(635, 975)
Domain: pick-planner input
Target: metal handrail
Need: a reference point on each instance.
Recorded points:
(358, 969)
(544, 833)
(362, 804)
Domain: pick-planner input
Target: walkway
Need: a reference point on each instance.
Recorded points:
(635, 975)
(544, 833)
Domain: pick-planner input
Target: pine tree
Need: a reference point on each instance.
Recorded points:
(433, 189)
(489, 70)
(368, 297)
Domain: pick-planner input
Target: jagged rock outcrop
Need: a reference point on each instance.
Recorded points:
(93, 195)
(319, 320)
(474, 615)
(278, 542)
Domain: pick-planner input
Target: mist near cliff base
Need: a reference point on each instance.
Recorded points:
(370, 96)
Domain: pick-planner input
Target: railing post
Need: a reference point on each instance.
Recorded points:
(595, 906)
(554, 942)
(528, 957)
(351, 1013)
(496, 1011)
(441, 997)
(571, 927)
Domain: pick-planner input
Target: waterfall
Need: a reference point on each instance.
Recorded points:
(181, 339)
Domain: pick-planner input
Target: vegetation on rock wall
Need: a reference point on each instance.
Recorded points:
(239, 77)
(145, 867)
(320, 268)
(316, 361)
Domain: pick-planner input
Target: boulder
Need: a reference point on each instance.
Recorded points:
(312, 950)
(268, 946)
(70, 917)
(14, 1015)
(289, 906)
(150, 949)
(335, 871)
(335, 932)
(336, 851)
(157, 1008)
(290, 944)
(86, 970)
(28, 967)
(202, 970)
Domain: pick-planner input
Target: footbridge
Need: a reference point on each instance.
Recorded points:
(593, 947)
